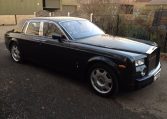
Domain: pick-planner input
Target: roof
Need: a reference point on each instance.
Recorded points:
(122, 1)
(157, 2)
(142, 0)
(57, 19)
(107, 1)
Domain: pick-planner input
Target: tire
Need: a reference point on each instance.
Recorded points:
(16, 53)
(103, 80)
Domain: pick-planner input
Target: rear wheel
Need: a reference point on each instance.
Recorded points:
(16, 53)
(103, 80)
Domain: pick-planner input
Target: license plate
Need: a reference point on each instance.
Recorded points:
(156, 76)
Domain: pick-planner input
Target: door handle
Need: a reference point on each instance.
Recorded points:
(43, 41)
(36, 39)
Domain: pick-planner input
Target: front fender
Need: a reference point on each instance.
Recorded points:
(14, 39)
(11, 41)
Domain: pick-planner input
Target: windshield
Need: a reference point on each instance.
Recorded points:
(81, 29)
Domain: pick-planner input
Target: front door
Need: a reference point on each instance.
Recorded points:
(54, 52)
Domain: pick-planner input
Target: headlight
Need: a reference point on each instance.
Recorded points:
(139, 62)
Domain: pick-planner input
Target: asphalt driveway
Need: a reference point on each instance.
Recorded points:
(31, 91)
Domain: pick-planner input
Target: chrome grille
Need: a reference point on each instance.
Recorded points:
(153, 60)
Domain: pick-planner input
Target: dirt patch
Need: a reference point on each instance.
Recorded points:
(164, 56)
(3, 30)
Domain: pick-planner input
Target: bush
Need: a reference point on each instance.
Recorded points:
(136, 31)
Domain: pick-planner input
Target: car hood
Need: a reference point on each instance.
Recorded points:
(118, 43)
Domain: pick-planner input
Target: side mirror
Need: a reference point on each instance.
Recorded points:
(58, 37)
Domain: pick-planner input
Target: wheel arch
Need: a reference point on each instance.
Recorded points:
(110, 65)
(103, 60)
(13, 40)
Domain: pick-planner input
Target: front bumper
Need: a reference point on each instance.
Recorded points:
(151, 77)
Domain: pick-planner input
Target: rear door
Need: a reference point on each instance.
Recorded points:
(31, 40)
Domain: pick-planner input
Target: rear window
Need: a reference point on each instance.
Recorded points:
(33, 28)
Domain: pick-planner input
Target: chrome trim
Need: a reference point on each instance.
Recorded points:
(151, 49)
(155, 71)
(41, 29)
(25, 31)
(24, 27)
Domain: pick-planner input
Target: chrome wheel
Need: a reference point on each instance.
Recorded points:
(15, 53)
(101, 80)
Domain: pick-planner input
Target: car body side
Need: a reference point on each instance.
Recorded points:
(78, 57)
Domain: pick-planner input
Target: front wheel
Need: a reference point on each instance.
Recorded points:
(103, 80)
(16, 53)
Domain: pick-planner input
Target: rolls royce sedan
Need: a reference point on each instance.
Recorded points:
(77, 45)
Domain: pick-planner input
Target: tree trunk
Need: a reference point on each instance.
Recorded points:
(165, 43)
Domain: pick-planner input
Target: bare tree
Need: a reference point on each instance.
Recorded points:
(106, 14)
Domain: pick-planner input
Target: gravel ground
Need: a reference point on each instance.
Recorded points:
(30, 91)
(152, 98)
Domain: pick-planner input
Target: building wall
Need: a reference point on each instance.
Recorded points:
(142, 0)
(156, 6)
(53, 4)
(70, 2)
(7, 20)
(11, 19)
(24, 9)
(28, 7)
(69, 8)
(20, 7)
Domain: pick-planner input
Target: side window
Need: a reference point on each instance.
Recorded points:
(33, 28)
(50, 29)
